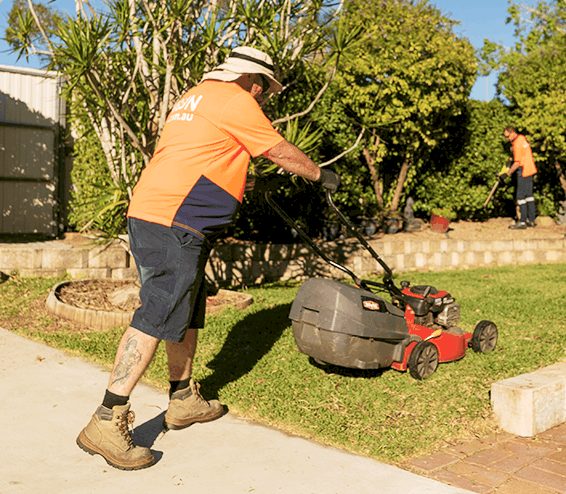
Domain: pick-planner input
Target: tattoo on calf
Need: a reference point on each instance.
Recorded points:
(129, 359)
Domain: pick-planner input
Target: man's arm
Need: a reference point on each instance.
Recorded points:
(515, 163)
(514, 166)
(293, 160)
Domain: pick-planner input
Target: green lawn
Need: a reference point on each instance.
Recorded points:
(248, 359)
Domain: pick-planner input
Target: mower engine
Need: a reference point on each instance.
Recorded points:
(431, 308)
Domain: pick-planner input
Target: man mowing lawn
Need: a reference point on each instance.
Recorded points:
(188, 193)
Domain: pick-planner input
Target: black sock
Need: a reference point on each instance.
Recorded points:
(111, 400)
(178, 385)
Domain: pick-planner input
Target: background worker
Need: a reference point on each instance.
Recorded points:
(188, 194)
(524, 164)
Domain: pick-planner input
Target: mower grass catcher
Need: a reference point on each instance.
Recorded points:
(350, 326)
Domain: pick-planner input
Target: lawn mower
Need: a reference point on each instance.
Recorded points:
(350, 326)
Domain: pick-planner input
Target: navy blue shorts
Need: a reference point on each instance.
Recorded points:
(171, 266)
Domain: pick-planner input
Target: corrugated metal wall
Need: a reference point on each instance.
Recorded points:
(32, 122)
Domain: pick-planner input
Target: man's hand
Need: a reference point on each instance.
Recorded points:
(329, 180)
(502, 177)
(250, 183)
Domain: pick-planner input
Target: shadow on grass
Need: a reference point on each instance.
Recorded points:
(248, 341)
(346, 372)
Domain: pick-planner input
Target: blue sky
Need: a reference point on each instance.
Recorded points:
(479, 19)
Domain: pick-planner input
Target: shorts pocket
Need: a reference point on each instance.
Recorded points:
(187, 239)
(151, 258)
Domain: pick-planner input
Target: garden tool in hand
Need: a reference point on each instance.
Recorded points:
(501, 177)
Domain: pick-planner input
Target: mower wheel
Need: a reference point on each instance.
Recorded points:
(423, 360)
(485, 337)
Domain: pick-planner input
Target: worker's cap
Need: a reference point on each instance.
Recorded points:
(245, 60)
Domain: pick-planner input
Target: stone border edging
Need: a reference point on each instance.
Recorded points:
(102, 320)
(246, 301)
(234, 264)
(93, 319)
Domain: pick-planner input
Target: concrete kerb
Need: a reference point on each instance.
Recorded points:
(531, 403)
(51, 397)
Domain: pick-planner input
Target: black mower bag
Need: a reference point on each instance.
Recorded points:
(340, 324)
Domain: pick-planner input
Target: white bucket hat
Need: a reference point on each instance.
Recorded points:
(245, 60)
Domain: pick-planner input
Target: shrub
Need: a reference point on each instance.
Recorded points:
(96, 204)
(463, 181)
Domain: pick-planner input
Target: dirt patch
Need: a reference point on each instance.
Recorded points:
(122, 296)
(493, 229)
(96, 295)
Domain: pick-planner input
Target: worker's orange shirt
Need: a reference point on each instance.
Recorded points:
(523, 154)
(196, 178)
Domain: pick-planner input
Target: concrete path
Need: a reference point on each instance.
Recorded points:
(48, 397)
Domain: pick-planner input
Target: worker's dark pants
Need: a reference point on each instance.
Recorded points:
(525, 198)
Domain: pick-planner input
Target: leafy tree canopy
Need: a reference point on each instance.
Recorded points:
(406, 85)
(26, 31)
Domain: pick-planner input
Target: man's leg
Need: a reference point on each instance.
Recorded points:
(186, 405)
(154, 248)
(180, 356)
(134, 354)
(108, 432)
(530, 201)
(522, 192)
(531, 211)
(522, 210)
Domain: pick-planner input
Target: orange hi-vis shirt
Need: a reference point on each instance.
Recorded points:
(196, 178)
(523, 154)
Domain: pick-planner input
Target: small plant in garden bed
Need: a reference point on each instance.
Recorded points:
(445, 213)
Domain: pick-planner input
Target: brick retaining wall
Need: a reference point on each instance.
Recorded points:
(239, 264)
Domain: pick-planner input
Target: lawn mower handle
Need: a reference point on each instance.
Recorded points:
(305, 238)
(358, 235)
(388, 277)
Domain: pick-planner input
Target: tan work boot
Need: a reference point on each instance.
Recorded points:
(187, 406)
(108, 434)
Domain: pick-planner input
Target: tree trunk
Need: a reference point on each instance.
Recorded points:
(400, 184)
(560, 175)
(370, 160)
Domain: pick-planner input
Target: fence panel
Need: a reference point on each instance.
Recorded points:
(32, 119)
